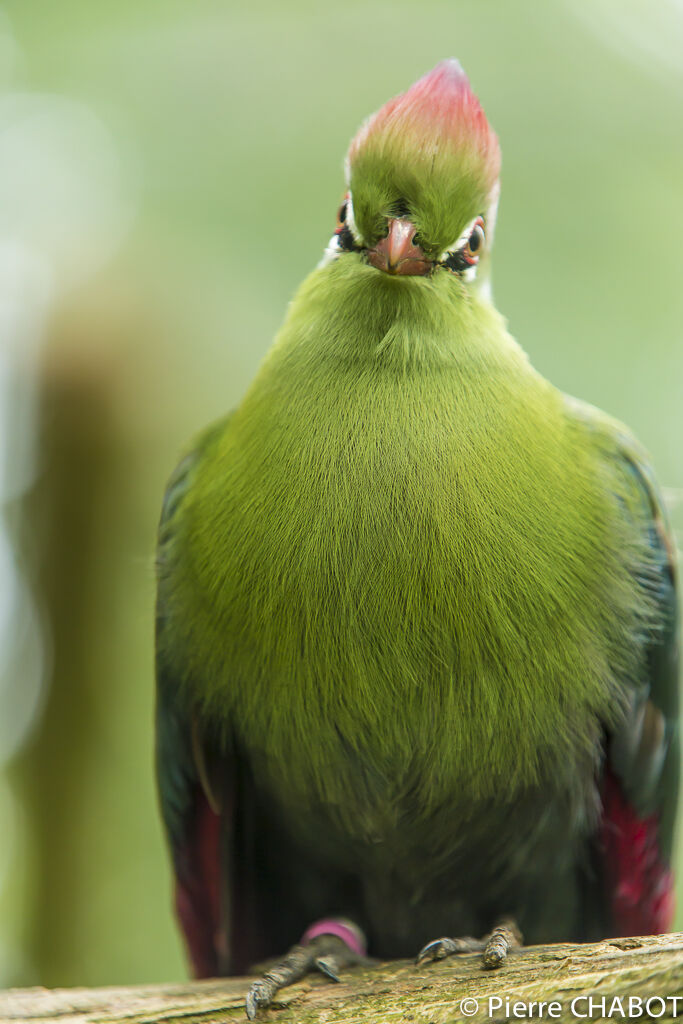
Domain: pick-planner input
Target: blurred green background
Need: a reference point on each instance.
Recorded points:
(168, 174)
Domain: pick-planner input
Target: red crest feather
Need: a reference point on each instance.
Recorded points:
(438, 112)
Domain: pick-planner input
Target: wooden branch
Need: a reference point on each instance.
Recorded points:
(569, 976)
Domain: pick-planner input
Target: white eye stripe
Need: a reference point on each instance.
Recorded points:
(351, 220)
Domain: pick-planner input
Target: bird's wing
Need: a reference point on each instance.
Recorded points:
(639, 785)
(244, 889)
(191, 818)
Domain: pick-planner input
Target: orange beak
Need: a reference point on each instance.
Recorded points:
(396, 253)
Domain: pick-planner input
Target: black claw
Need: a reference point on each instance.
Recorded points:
(435, 950)
(441, 948)
(327, 965)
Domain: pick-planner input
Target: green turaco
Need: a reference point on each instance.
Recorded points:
(416, 638)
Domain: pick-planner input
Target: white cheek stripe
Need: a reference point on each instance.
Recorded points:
(351, 220)
(331, 252)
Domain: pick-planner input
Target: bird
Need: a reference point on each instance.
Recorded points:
(417, 612)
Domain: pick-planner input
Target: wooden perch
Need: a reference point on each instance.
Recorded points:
(649, 968)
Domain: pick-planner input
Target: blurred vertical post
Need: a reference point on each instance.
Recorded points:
(23, 297)
(64, 211)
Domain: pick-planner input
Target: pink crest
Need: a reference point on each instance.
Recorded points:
(439, 111)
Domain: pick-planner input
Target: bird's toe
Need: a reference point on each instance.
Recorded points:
(439, 949)
(504, 937)
(259, 997)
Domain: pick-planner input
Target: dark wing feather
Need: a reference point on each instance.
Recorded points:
(192, 824)
(193, 830)
(641, 774)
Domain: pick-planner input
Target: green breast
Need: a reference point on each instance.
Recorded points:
(404, 575)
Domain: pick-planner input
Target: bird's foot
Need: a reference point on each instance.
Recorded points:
(494, 947)
(327, 946)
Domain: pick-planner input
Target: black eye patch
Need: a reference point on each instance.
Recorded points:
(347, 242)
(456, 262)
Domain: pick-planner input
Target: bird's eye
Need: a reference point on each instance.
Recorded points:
(341, 215)
(472, 250)
(467, 256)
(344, 237)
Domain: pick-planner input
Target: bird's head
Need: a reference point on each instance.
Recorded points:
(422, 181)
